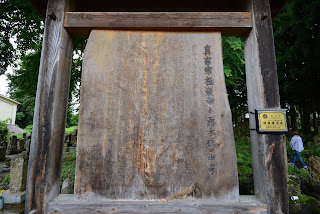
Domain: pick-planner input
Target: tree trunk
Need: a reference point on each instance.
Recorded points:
(293, 117)
(315, 125)
(314, 116)
(306, 124)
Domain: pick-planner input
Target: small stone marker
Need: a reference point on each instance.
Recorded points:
(74, 137)
(67, 140)
(314, 167)
(28, 143)
(18, 173)
(12, 146)
(67, 187)
(4, 144)
(2, 153)
(21, 145)
(18, 180)
(155, 121)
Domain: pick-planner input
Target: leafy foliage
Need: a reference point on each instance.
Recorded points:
(68, 166)
(18, 20)
(297, 38)
(299, 172)
(23, 87)
(5, 182)
(244, 159)
(21, 24)
(234, 69)
(311, 149)
(3, 130)
(71, 129)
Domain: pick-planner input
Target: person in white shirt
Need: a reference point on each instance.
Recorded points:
(297, 146)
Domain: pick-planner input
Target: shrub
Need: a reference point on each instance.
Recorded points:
(71, 129)
(3, 130)
(301, 173)
(5, 182)
(68, 167)
(244, 159)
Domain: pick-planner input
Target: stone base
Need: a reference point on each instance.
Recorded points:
(13, 209)
(68, 204)
(14, 197)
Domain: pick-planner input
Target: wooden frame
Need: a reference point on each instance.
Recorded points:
(268, 151)
(51, 103)
(66, 204)
(228, 23)
(49, 120)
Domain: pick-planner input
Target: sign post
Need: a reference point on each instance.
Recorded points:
(271, 121)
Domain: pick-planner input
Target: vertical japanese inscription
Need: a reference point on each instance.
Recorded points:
(209, 98)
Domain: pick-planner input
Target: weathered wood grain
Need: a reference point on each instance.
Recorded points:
(149, 110)
(229, 23)
(263, 92)
(67, 204)
(50, 111)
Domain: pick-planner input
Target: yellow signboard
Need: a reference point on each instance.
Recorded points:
(272, 121)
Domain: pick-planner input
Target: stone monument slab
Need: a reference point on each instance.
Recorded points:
(18, 173)
(18, 180)
(12, 147)
(3, 153)
(155, 121)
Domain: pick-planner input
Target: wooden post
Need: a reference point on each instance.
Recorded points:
(50, 111)
(263, 92)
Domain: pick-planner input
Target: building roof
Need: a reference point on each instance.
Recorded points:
(163, 5)
(15, 129)
(8, 99)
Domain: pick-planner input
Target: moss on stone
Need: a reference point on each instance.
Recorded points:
(305, 204)
(305, 199)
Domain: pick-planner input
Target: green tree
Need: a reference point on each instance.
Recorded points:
(3, 130)
(23, 87)
(19, 21)
(234, 69)
(23, 84)
(297, 38)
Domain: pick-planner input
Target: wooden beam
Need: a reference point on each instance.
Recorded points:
(229, 23)
(66, 204)
(164, 5)
(268, 159)
(50, 111)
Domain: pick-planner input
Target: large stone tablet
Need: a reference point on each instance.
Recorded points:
(155, 122)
